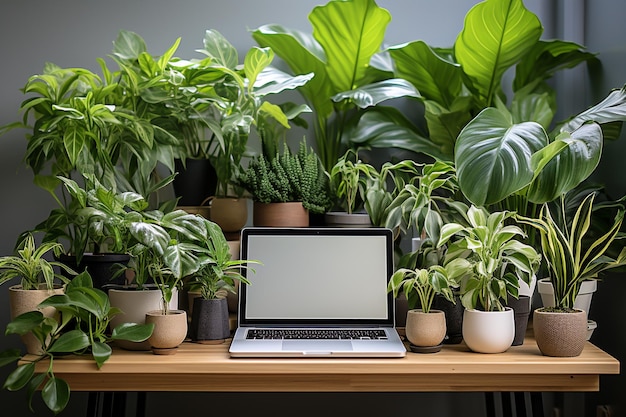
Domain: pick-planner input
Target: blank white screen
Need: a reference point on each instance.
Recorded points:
(317, 277)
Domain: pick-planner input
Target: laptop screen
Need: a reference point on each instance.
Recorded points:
(317, 276)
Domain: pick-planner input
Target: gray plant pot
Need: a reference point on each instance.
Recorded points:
(209, 320)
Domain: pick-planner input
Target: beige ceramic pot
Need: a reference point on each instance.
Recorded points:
(134, 305)
(22, 301)
(425, 330)
(170, 330)
(291, 214)
(560, 334)
(231, 214)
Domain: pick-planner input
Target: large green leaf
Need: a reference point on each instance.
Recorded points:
(610, 110)
(386, 127)
(304, 56)
(496, 35)
(572, 165)
(435, 78)
(493, 156)
(372, 94)
(350, 32)
(546, 58)
(56, 394)
(72, 341)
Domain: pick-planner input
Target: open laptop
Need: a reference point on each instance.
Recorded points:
(317, 280)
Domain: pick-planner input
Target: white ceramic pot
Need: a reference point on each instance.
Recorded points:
(583, 299)
(134, 305)
(488, 331)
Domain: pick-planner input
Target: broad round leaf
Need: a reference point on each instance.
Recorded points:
(56, 394)
(493, 156)
(72, 341)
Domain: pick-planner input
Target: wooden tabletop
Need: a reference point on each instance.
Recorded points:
(198, 367)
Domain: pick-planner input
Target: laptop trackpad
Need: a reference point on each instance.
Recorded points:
(322, 346)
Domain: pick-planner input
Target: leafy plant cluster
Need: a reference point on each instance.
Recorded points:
(81, 327)
(287, 177)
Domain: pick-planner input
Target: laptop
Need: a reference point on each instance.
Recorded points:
(320, 292)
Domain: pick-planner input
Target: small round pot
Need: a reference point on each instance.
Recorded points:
(560, 334)
(134, 305)
(209, 321)
(289, 214)
(488, 331)
(231, 214)
(169, 331)
(344, 219)
(425, 330)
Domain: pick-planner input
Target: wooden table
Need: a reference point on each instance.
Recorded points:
(208, 368)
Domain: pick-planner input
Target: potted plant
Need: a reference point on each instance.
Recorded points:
(340, 52)
(81, 327)
(490, 261)
(561, 330)
(348, 185)
(287, 187)
(425, 328)
(38, 280)
(218, 275)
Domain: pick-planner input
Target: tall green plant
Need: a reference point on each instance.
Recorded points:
(570, 258)
(345, 37)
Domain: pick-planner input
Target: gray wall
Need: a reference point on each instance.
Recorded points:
(76, 32)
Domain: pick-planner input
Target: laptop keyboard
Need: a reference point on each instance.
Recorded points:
(311, 334)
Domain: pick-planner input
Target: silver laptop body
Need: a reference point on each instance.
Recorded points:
(311, 279)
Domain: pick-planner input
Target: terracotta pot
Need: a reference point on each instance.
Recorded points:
(169, 331)
(560, 334)
(22, 301)
(231, 214)
(425, 330)
(488, 331)
(134, 305)
(291, 214)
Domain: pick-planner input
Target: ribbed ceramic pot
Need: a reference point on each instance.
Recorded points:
(426, 329)
(289, 214)
(560, 334)
(22, 301)
(488, 331)
(169, 331)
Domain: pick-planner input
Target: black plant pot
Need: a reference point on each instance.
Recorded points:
(195, 182)
(454, 318)
(209, 320)
(521, 309)
(101, 267)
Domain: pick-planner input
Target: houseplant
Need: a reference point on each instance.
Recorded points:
(38, 280)
(570, 262)
(218, 275)
(82, 327)
(341, 52)
(348, 184)
(289, 177)
(490, 261)
(425, 328)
